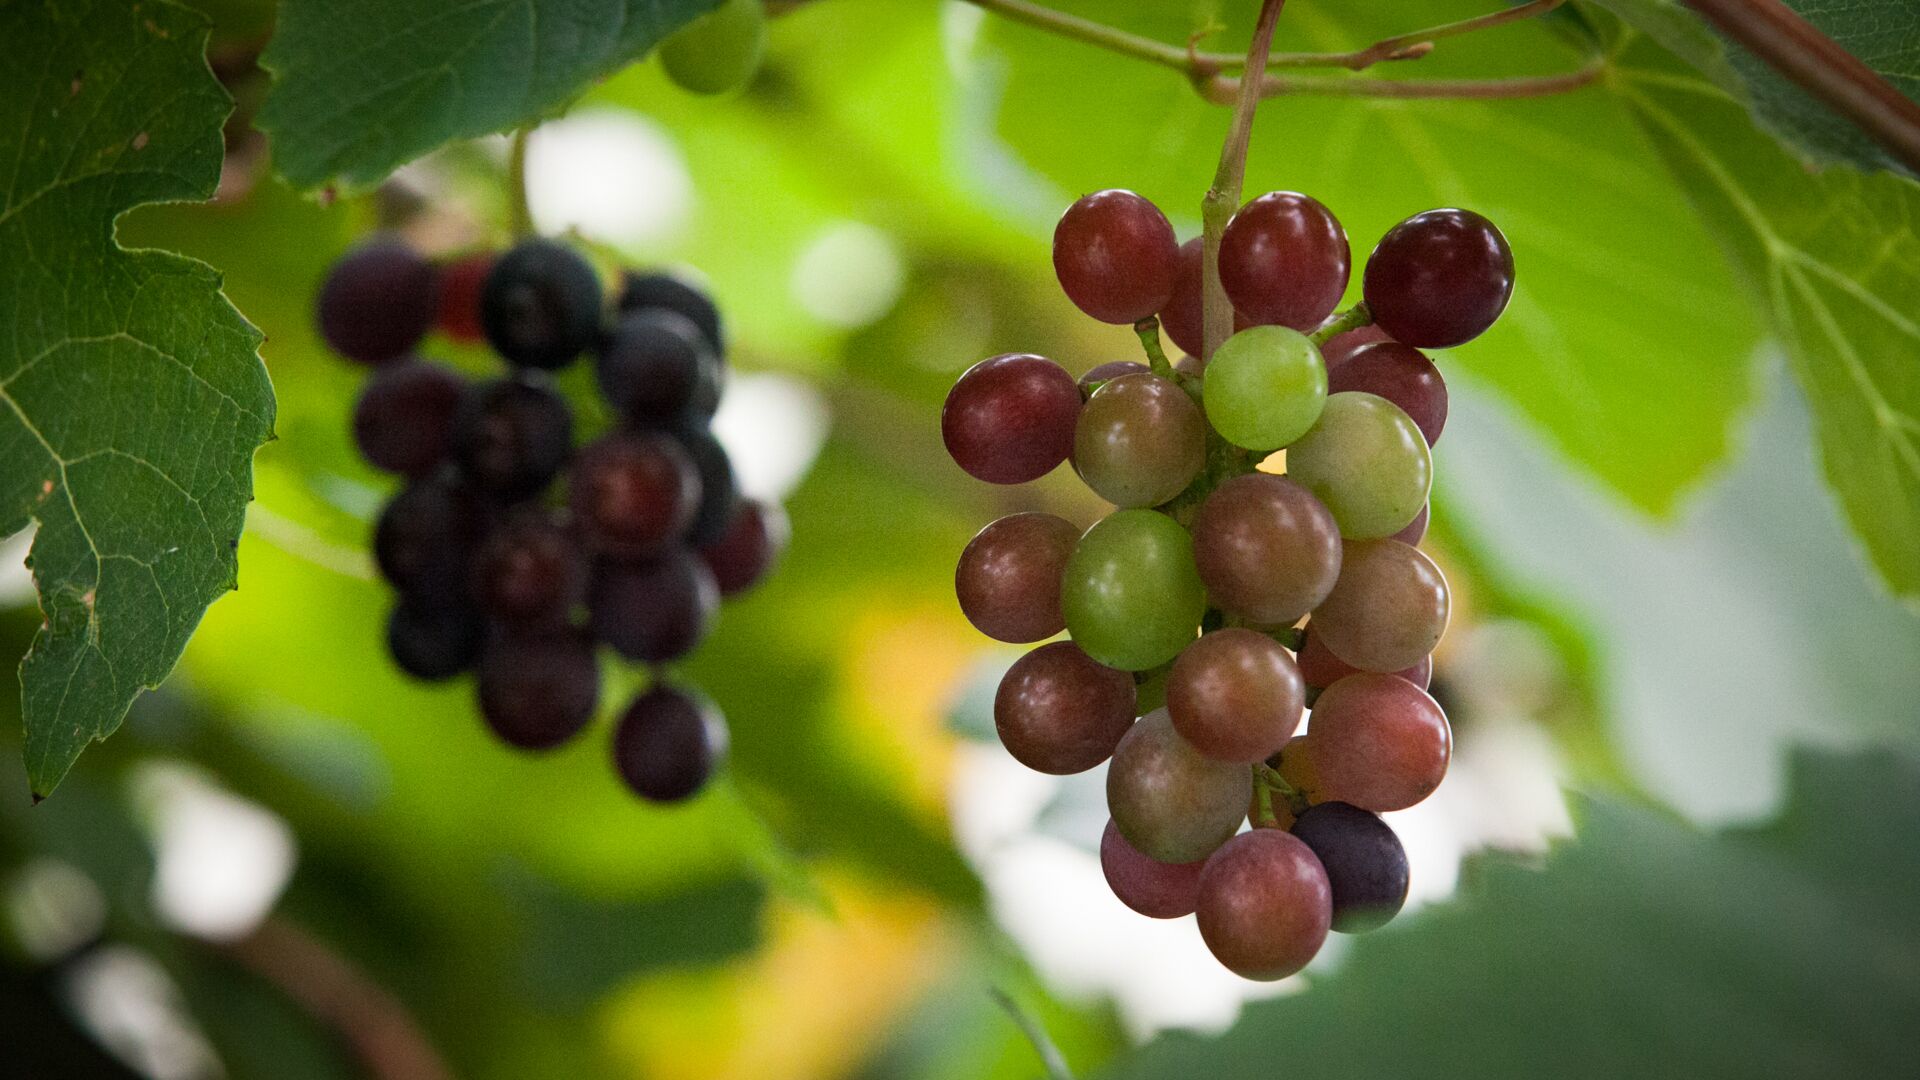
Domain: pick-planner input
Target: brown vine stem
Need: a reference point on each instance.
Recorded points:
(1223, 198)
(1202, 65)
(1798, 50)
(382, 1034)
(1221, 89)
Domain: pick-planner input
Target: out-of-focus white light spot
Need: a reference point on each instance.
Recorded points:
(54, 909)
(773, 427)
(849, 275)
(132, 1007)
(16, 581)
(959, 31)
(221, 861)
(615, 176)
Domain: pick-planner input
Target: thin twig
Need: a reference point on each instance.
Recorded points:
(1819, 65)
(1409, 46)
(520, 214)
(382, 1033)
(1221, 89)
(1223, 198)
(1036, 1034)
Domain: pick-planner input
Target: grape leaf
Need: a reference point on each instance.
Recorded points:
(363, 86)
(132, 394)
(1833, 259)
(1587, 349)
(1885, 34)
(1643, 949)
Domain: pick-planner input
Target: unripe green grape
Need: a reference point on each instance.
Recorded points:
(1265, 387)
(719, 51)
(1170, 801)
(1140, 441)
(1131, 594)
(1367, 461)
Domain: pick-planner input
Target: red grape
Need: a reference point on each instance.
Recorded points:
(1155, 889)
(1439, 278)
(1342, 345)
(1115, 256)
(1416, 529)
(1235, 695)
(1058, 711)
(1010, 419)
(1284, 259)
(633, 493)
(460, 283)
(1265, 904)
(1008, 580)
(1402, 375)
(1140, 441)
(1267, 550)
(1112, 369)
(1387, 611)
(1376, 741)
(1170, 801)
(1319, 668)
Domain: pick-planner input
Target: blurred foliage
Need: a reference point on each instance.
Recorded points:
(810, 915)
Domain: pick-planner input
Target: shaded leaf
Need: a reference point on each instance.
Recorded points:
(133, 398)
(363, 86)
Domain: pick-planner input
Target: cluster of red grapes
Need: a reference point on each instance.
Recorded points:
(514, 553)
(1183, 606)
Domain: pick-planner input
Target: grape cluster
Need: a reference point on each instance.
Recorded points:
(514, 553)
(1187, 662)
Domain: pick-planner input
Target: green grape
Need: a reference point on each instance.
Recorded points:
(1140, 441)
(1171, 802)
(1131, 594)
(1367, 461)
(718, 51)
(1265, 387)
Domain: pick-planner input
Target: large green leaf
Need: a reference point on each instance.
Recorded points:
(1834, 261)
(1645, 949)
(1616, 343)
(1883, 33)
(133, 398)
(363, 86)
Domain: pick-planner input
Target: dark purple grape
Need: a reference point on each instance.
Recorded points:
(537, 692)
(633, 493)
(1284, 260)
(378, 301)
(749, 548)
(1265, 904)
(1008, 580)
(403, 420)
(1155, 889)
(1439, 278)
(434, 641)
(460, 284)
(657, 290)
(512, 436)
(1115, 255)
(653, 611)
(530, 570)
(1010, 419)
(1059, 711)
(1365, 863)
(667, 744)
(1112, 369)
(719, 497)
(656, 365)
(1402, 375)
(425, 540)
(541, 305)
